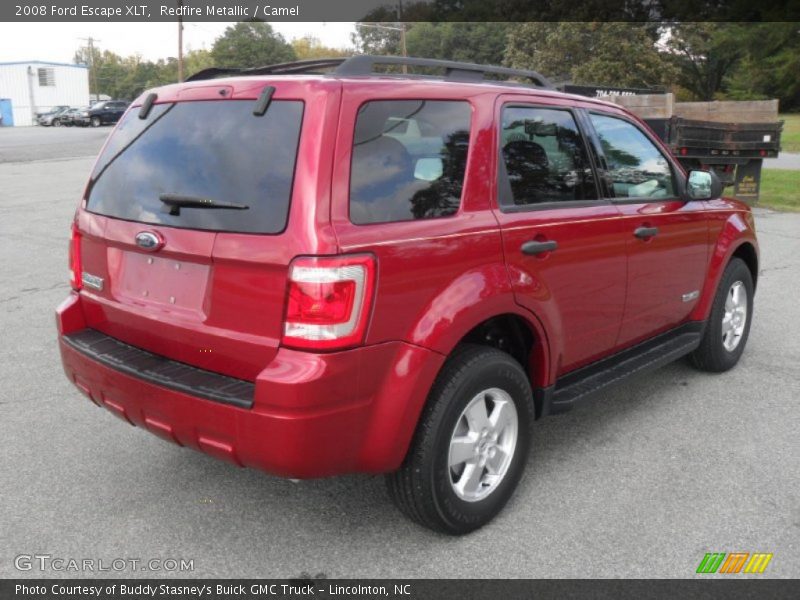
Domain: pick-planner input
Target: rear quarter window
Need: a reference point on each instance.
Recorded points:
(214, 150)
(409, 160)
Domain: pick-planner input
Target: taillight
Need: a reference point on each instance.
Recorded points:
(328, 301)
(75, 259)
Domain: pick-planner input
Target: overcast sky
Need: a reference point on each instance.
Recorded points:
(58, 42)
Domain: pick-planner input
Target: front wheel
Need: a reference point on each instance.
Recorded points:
(729, 324)
(96, 122)
(471, 443)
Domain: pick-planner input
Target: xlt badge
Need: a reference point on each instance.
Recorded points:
(92, 281)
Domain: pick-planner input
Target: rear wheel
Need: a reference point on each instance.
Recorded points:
(729, 324)
(471, 443)
(56, 123)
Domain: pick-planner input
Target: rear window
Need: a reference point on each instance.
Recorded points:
(214, 151)
(409, 159)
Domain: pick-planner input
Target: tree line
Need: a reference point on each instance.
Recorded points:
(246, 44)
(697, 61)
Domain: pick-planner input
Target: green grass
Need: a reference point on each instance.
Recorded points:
(790, 137)
(780, 189)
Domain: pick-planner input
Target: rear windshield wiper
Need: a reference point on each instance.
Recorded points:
(173, 203)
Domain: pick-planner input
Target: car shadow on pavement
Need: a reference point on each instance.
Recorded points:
(360, 503)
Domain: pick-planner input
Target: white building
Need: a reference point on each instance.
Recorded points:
(35, 86)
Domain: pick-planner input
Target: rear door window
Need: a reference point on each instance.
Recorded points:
(409, 160)
(216, 151)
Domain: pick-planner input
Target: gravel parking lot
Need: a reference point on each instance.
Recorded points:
(641, 483)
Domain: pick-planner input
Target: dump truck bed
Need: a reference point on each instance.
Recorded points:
(703, 139)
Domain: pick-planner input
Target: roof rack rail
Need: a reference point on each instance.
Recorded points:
(211, 73)
(290, 68)
(364, 65)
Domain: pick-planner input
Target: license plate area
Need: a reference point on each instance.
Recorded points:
(170, 285)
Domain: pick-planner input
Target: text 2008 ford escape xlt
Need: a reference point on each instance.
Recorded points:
(352, 271)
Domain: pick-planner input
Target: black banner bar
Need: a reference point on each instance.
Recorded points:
(394, 10)
(731, 588)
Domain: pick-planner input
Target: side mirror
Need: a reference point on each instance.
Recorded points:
(703, 185)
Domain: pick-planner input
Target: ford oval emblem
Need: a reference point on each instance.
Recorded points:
(148, 240)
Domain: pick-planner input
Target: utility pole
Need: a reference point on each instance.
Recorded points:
(180, 40)
(402, 24)
(403, 48)
(90, 44)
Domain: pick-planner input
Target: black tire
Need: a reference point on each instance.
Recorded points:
(56, 123)
(712, 355)
(96, 122)
(422, 487)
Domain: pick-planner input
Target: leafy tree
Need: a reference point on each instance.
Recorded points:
(251, 44)
(618, 54)
(195, 61)
(94, 61)
(770, 65)
(482, 43)
(381, 38)
(469, 42)
(309, 47)
(522, 11)
(525, 11)
(369, 39)
(124, 78)
(705, 54)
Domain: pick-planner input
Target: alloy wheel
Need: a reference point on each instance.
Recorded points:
(735, 317)
(482, 444)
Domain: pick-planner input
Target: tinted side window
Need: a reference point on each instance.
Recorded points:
(636, 167)
(544, 157)
(409, 159)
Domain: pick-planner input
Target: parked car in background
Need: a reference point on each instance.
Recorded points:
(105, 113)
(53, 117)
(52, 110)
(82, 118)
(73, 117)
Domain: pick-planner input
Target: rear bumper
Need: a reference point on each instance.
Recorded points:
(312, 415)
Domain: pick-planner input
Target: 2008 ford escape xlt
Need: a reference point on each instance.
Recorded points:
(315, 273)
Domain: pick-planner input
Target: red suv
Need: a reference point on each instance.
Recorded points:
(369, 271)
